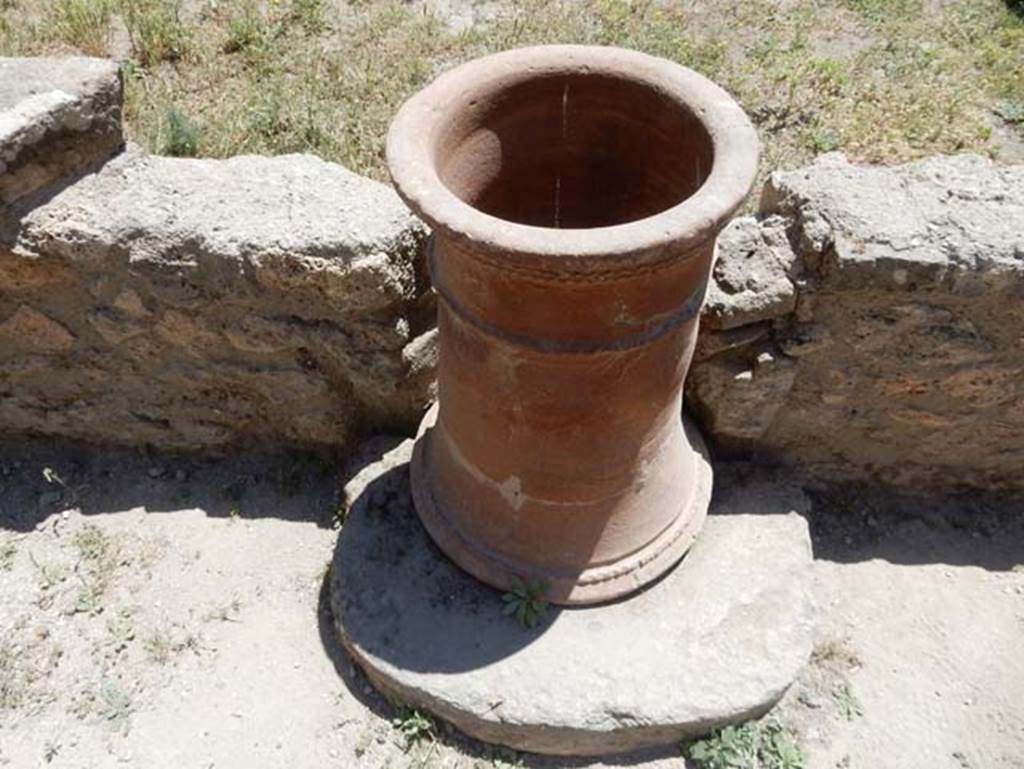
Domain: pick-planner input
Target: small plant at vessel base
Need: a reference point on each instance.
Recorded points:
(526, 601)
(502, 757)
(849, 706)
(752, 745)
(413, 725)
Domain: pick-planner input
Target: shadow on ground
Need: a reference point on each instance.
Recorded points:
(855, 522)
(40, 477)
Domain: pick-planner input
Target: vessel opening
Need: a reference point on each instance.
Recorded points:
(574, 151)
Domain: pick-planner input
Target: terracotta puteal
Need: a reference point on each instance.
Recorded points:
(575, 194)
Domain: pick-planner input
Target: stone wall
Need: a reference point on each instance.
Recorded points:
(869, 323)
(194, 303)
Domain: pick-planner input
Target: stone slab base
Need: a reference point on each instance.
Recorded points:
(717, 640)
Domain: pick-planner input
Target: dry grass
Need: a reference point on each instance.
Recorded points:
(883, 80)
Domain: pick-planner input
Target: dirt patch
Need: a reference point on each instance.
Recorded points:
(163, 610)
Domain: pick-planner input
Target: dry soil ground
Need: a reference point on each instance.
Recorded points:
(161, 611)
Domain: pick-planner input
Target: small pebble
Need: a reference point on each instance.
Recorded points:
(180, 475)
(810, 701)
(156, 472)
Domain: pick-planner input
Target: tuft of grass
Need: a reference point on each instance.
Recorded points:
(882, 10)
(100, 556)
(526, 601)
(309, 14)
(155, 30)
(82, 24)
(752, 745)
(881, 80)
(248, 31)
(94, 545)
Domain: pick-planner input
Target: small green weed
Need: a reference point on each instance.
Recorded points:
(526, 602)
(249, 32)
(7, 552)
(161, 647)
(94, 546)
(107, 700)
(849, 705)
(51, 573)
(100, 555)
(120, 631)
(51, 749)
(752, 745)
(180, 135)
(413, 726)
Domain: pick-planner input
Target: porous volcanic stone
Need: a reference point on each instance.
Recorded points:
(717, 640)
(194, 303)
(751, 275)
(57, 117)
(867, 325)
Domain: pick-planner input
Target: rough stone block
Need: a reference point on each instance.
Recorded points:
(58, 117)
(903, 343)
(279, 299)
(751, 275)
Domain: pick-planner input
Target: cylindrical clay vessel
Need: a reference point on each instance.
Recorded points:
(575, 194)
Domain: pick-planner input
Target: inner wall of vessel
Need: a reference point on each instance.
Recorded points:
(574, 151)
